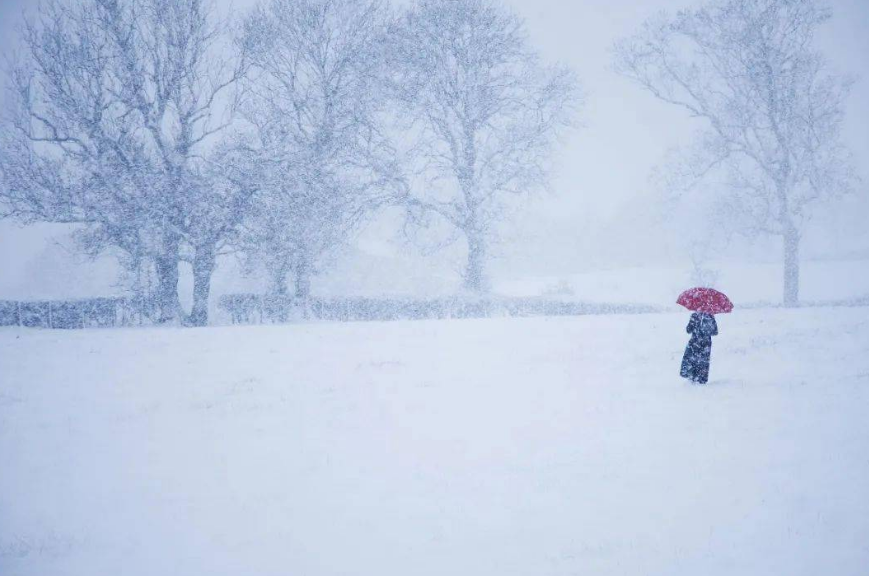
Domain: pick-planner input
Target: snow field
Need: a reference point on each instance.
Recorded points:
(483, 447)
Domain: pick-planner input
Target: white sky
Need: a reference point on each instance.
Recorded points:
(602, 204)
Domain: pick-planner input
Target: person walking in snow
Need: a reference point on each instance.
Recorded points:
(695, 363)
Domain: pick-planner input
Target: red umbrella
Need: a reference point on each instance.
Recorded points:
(706, 300)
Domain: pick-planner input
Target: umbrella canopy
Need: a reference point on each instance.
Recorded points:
(706, 300)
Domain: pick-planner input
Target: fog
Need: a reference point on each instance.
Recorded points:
(603, 210)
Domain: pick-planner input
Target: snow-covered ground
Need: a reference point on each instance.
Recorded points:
(491, 447)
(821, 280)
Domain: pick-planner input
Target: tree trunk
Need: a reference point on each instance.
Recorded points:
(303, 273)
(303, 279)
(278, 302)
(166, 265)
(791, 241)
(278, 277)
(475, 275)
(204, 259)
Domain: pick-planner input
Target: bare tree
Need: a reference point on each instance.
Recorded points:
(772, 112)
(114, 101)
(313, 101)
(222, 198)
(484, 113)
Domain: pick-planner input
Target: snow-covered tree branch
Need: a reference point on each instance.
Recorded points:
(772, 111)
(114, 101)
(484, 114)
(313, 103)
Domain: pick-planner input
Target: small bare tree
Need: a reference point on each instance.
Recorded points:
(485, 114)
(772, 112)
(113, 104)
(313, 101)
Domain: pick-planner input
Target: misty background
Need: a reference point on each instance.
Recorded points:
(604, 210)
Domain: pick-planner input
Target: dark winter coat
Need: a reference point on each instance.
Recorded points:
(695, 362)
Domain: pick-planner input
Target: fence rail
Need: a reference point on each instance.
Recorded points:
(71, 314)
(258, 309)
